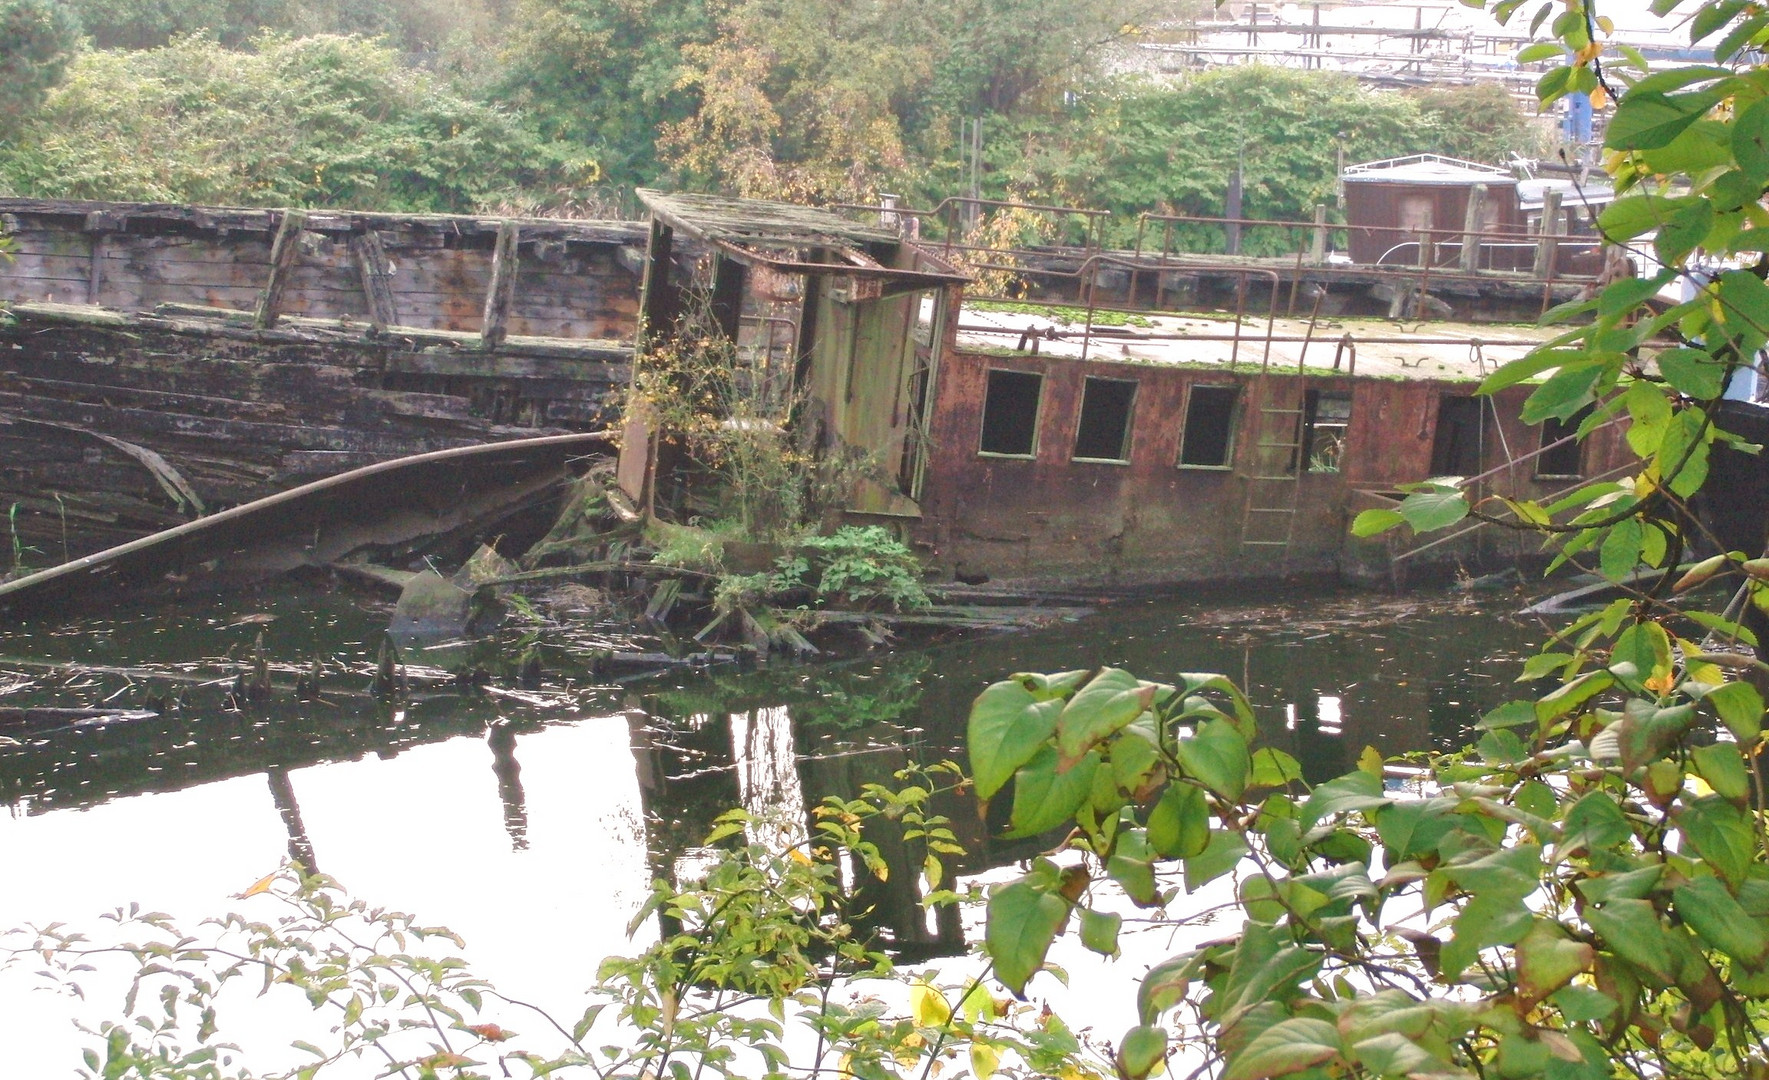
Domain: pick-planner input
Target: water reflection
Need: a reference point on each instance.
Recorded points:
(502, 740)
(596, 789)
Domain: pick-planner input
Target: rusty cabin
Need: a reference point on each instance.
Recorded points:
(1078, 472)
(855, 317)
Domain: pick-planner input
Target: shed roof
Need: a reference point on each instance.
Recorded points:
(1426, 169)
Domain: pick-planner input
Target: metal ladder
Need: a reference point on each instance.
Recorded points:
(1268, 518)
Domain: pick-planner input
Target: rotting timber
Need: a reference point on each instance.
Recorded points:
(162, 362)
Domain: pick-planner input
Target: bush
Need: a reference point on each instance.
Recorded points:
(319, 121)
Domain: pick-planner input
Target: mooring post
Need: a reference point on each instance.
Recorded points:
(1317, 251)
(282, 256)
(1546, 246)
(502, 290)
(1471, 222)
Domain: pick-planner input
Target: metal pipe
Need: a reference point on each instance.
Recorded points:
(1285, 339)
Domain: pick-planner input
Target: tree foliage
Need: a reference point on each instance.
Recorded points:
(37, 39)
(313, 121)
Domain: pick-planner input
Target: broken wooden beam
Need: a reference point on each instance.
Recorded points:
(375, 271)
(283, 251)
(502, 291)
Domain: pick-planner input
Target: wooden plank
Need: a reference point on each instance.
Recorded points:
(376, 275)
(283, 253)
(502, 288)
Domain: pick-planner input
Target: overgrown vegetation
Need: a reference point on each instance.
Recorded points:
(565, 105)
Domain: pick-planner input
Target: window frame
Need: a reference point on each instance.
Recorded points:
(1234, 427)
(1125, 437)
(1037, 415)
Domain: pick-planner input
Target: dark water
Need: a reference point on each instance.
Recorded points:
(529, 814)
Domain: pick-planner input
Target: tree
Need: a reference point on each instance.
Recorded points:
(1580, 894)
(37, 40)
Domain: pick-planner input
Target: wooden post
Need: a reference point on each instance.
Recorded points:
(1546, 248)
(503, 286)
(282, 256)
(1425, 247)
(375, 271)
(1317, 252)
(1471, 222)
(99, 225)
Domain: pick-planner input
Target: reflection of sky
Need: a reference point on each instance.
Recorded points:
(422, 832)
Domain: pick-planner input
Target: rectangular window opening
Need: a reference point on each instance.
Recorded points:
(1010, 413)
(1567, 459)
(1104, 431)
(1456, 444)
(1208, 440)
(1326, 419)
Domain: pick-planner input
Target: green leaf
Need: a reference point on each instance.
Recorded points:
(1373, 522)
(1217, 756)
(1045, 797)
(1750, 142)
(1631, 929)
(1626, 218)
(1354, 791)
(1547, 959)
(1179, 823)
(1627, 294)
(1008, 724)
(1165, 985)
(1222, 852)
(1110, 700)
(1566, 392)
(1740, 708)
(1595, 822)
(1439, 507)
(1722, 835)
(1099, 931)
(1744, 308)
(1541, 50)
(1722, 766)
(1683, 231)
(1646, 120)
(1621, 549)
(1720, 920)
(1582, 1004)
(1141, 1049)
(1510, 714)
(1528, 367)
(1023, 920)
(1272, 768)
(1692, 372)
(1409, 829)
(1289, 1046)
(1394, 1054)
(1130, 866)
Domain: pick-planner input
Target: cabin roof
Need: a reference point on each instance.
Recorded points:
(1425, 169)
(761, 223)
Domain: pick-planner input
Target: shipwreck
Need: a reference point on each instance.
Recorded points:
(160, 364)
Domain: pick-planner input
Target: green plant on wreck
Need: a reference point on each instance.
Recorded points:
(858, 565)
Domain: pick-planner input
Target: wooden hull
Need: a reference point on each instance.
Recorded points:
(113, 427)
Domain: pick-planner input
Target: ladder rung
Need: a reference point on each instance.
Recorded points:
(1279, 445)
(1285, 412)
(1265, 543)
(1286, 477)
(1271, 510)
